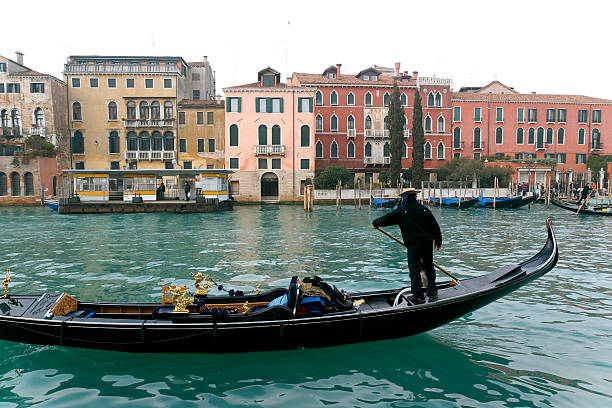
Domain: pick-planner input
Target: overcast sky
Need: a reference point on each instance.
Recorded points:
(556, 47)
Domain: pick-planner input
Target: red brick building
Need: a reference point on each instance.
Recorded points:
(351, 114)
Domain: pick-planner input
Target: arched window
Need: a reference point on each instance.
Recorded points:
(333, 98)
(305, 136)
(350, 150)
(440, 124)
(76, 111)
(427, 150)
(16, 119)
(15, 184)
(581, 134)
(333, 123)
(386, 150)
(131, 110)
(143, 110)
(440, 151)
(276, 135)
(386, 99)
(28, 181)
(368, 122)
(430, 100)
(168, 110)
(561, 136)
(319, 123)
(144, 141)
(319, 98)
(368, 150)
(112, 110)
(262, 135)
(499, 136)
(595, 139)
(477, 138)
(155, 113)
(132, 141)
(350, 99)
(531, 136)
(520, 136)
(404, 151)
(386, 123)
(39, 117)
(113, 142)
(2, 184)
(540, 139)
(368, 99)
(549, 136)
(78, 144)
(168, 141)
(428, 123)
(457, 138)
(350, 122)
(319, 150)
(438, 100)
(157, 140)
(405, 124)
(5, 118)
(233, 131)
(333, 151)
(403, 99)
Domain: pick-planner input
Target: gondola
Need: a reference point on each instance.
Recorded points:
(384, 202)
(505, 202)
(52, 205)
(586, 209)
(58, 319)
(454, 202)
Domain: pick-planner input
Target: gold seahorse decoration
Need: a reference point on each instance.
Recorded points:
(180, 299)
(6, 281)
(201, 283)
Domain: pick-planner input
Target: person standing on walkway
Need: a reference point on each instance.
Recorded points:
(420, 232)
(187, 190)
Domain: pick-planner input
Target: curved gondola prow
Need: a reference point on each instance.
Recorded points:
(547, 258)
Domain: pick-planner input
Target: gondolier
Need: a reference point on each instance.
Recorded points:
(420, 230)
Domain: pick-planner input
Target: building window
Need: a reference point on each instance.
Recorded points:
(581, 134)
(76, 82)
(520, 136)
(520, 115)
(350, 99)
(403, 99)
(181, 118)
(195, 94)
(149, 83)
(131, 110)
(76, 111)
(531, 136)
(143, 110)
(540, 138)
(456, 138)
(427, 151)
(79, 165)
(430, 100)
(476, 156)
(187, 164)
(596, 116)
(111, 82)
(350, 122)
(114, 165)
(404, 151)
(262, 135)
(368, 123)
(39, 117)
(438, 100)
(155, 114)
(93, 82)
(305, 136)
(595, 140)
(319, 98)
(368, 99)
(144, 141)
(333, 98)
(233, 132)
(334, 123)
(168, 110)
(350, 150)
(195, 76)
(499, 136)
(304, 104)
(2, 66)
(200, 118)
(367, 150)
(113, 143)
(210, 119)
(234, 163)
(168, 141)
(428, 123)
(440, 124)
(129, 82)
(156, 137)
(477, 138)
(262, 164)
(304, 164)
(561, 158)
(1, 87)
(167, 83)
(78, 144)
(182, 145)
(276, 164)
(549, 136)
(386, 99)
(582, 116)
(550, 115)
(499, 115)
(561, 115)
(211, 145)
(319, 123)
(13, 88)
(477, 114)
(560, 136)
(200, 145)
(457, 114)
(235, 187)
(580, 158)
(319, 150)
(37, 87)
(440, 151)
(269, 80)
(333, 151)
(269, 105)
(532, 115)
(386, 150)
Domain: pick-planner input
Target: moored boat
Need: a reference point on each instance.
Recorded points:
(586, 209)
(384, 202)
(505, 202)
(52, 204)
(251, 322)
(455, 202)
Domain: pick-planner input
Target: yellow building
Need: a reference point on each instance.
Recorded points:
(201, 134)
(122, 111)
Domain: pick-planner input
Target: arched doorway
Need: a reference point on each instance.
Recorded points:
(54, 186)
(269, 186)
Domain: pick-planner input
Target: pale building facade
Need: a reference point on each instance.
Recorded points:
(201, 133)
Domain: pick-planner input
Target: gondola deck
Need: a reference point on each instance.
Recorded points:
(587, 209)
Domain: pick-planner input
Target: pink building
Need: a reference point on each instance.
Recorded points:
(269, 131)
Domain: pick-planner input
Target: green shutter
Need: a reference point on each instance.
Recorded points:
(228, 104)
(300, 104)
(310, 105)
(239, 104)
(269, 105)
(281, 105)
(256, 104)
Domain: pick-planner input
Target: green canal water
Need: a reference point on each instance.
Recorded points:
(546, 345)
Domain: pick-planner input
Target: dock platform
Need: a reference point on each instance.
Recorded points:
(68, 206)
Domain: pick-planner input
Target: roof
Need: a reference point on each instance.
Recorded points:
(201, 103)
(533, 97)
(157, 172)
(260, 86)
(125, 57)
(198, 64)
(349, 79)
(29, 72)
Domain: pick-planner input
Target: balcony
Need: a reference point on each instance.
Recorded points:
(149, 155)
(148, 123)
(386, 160)
(479, 146)
(10, 132)
(37, 130)
(121, 68)
(540, 146)
(375, 133)
(458, 146)
(406, 134)
(269, 150)
(351, 133)
(368, 160)
(596, 146)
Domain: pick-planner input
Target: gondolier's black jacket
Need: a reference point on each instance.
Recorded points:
(416, 222)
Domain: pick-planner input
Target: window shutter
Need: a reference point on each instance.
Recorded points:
(310, 105)
(239, 104)
(256, 104)
(269, 105)
(300, 104)
(228, 104)
(281, 105)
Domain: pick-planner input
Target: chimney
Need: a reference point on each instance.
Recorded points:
(415, 74)
(397, 68)
(338, 70)
(19, 57)
(206, 59)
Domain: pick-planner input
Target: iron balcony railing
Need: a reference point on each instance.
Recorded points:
(269, 150)
(11, 132)
(148, 123)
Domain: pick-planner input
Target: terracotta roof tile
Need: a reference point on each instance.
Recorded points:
(28, 73)
(198, 64)
(348, 79)
(201, 103)
(258, 85)
(550, 98)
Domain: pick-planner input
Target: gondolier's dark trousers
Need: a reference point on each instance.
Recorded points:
(420, 256)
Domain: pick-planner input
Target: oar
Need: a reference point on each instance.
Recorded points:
(586, 200)
(435, 264)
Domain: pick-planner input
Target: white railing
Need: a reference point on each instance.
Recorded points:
(368, 160)
(375, 133)
(386, 160)
(149, 155)
(141, 68)
(386, 133)
(406, 133)
(270, 150)
(131, 155)
(148, 123)
(434, 81)
(37, 130)
(168, 155)
(351, 133)
(143, 155)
